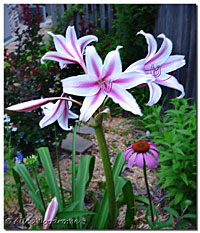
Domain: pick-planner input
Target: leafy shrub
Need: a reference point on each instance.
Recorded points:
(25, 79)
(174, 133)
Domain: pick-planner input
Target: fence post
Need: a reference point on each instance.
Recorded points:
(94, 13)
(54, 15)
(102, 16)
(110, 16)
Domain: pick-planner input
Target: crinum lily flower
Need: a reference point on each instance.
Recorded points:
(58, 111)
(104, 80)
(70, 49)
(158, 65)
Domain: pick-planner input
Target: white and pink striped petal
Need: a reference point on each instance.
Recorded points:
(170, 81)
(91, 104)
(155, 93)
(174, 62)
(81, 85)
(161, 56)
(124, 99)
(152, 44)
(112, 64)
(93, 62)
(85, 40)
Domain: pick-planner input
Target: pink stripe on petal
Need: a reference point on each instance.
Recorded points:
(53, 114)
(64, 47)
(162, 55)
(72, 37)
(91, 104)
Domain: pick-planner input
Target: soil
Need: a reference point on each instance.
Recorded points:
(116, 140)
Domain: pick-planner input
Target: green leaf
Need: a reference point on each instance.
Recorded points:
(178, 198)
(84, 175)
(23, 172)
(142, 199)
(19, 194)
(184, 178)
(45, 158)
(129, 199)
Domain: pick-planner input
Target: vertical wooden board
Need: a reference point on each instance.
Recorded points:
(179, 23)
(71, 22)
(94, 13)
(110, 16)
(78, 18)
(54, 15)
(86, 10)
(102, 15)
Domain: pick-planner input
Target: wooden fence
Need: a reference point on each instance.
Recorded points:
(179, 23)
(176, 21)
(100, 14)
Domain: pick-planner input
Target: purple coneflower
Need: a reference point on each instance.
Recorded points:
(142, 151)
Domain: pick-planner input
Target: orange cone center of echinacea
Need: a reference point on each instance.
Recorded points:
(141, 146)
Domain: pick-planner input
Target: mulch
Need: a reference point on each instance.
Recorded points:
(116, 140)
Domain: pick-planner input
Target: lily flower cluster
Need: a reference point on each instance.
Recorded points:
(104, 79)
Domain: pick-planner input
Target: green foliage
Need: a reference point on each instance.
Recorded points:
(25, 78)
(130, 19)
(174, 133)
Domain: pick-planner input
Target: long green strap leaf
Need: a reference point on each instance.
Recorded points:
(23, 172)
(45, 158)
(19, 194)
(102, 214)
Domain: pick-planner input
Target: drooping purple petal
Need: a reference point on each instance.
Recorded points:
(93, 62)
(85, 40)
(81, 85)
(170, 81)
(132, 160)
(91, 104)
(136, 66)
(139, 162)
(128, 152)
(174, 62)
(162, 55)
(30, 105)
(152, 44)
(50, 213)
(154, 153)
(132, 79)
(149, 160)
(112, 64)
(155, 93)
(124, 99)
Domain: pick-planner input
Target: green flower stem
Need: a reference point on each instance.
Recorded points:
(74, 162)
(40, 192)
(58, 166)
(97, 125)
(147, 186)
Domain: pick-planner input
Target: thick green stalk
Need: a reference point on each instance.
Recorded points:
(74, 162)
(148, 192)
(58, 166)
(97, 125)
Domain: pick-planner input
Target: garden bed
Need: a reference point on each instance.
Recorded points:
(116, 139)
